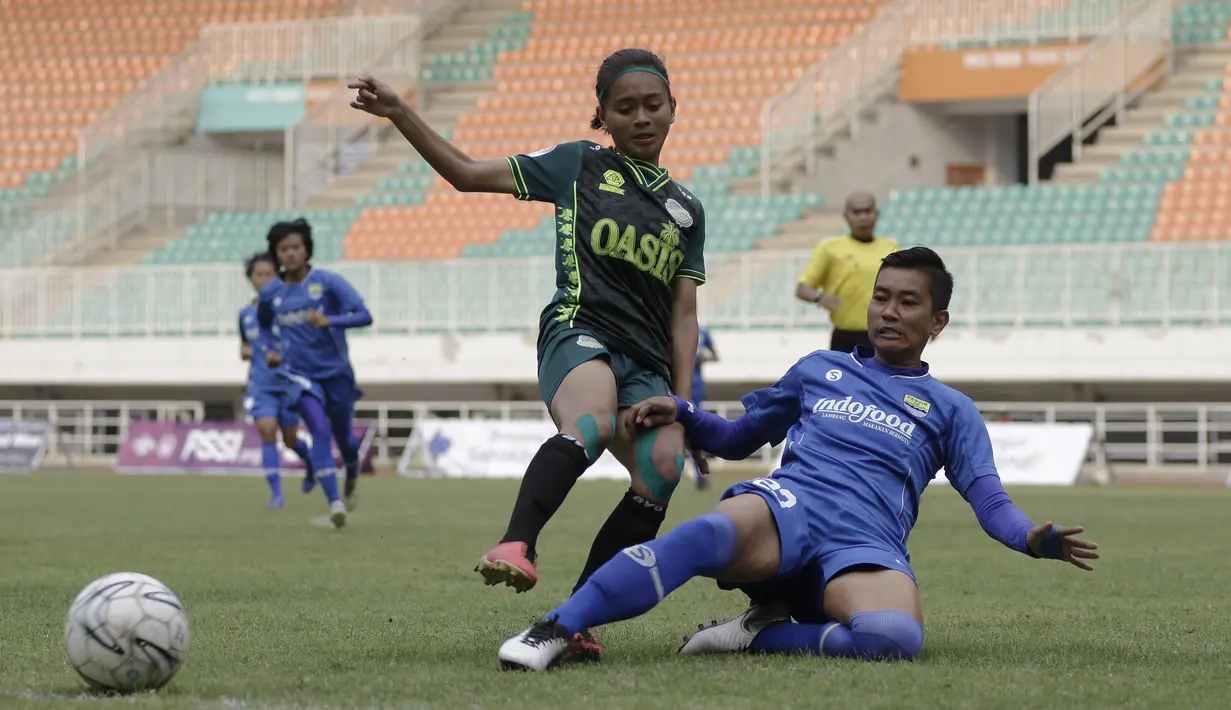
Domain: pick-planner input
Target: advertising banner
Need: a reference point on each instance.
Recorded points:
(22, 445)
(213, 447)
(477, 448)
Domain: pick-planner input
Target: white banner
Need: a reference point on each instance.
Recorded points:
(485, 448)
(1031, 454)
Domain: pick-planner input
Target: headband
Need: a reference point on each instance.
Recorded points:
(648, 70)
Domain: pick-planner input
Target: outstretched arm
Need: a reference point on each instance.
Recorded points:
(732, 440)
(461, 171)
(1001, 520)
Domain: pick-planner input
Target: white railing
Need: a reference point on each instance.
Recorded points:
(330, 49)
(91, 432)
(149, 188)
(1108, 75)
(1129, 438)
(1090, 286)
(828, 97)
(332, 137)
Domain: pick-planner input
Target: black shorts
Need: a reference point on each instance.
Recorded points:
(846, 340)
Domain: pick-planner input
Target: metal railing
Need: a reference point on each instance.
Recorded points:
(1107, 76)
(91, 432)
(332, 137)
(827, 99)
(1087, 286)
(251, 53)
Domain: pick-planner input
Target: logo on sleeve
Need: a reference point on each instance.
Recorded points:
(588, 341)
(916, 405)
(542, 152)
(678, 213)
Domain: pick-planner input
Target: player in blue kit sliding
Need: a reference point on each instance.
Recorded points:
(265, 399)
(823, 539)
(312, 309)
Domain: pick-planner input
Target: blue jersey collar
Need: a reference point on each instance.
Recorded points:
(866, 357)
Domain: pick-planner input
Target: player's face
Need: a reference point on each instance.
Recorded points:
(638, 112)
(900, 316)
(262, 273)
(291, 252)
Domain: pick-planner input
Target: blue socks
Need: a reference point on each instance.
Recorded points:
(321, 454)
(871, 636)
(272, 464)
(637, 579)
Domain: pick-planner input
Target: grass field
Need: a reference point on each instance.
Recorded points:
(387, 613)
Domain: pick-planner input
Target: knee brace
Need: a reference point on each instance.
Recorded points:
(886, 635)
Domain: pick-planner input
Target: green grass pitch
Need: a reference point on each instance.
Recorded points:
(387, 613)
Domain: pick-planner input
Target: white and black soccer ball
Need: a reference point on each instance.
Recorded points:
(126, 632)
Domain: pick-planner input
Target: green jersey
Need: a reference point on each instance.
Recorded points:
(624, 233)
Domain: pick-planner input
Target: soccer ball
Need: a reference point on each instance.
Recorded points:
(126, 632)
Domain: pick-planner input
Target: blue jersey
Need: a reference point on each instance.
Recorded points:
(315, 353)
(260, 377)
(704, 341)
(863, 441)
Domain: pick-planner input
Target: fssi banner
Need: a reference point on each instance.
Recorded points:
(213, 447)
(22, 445)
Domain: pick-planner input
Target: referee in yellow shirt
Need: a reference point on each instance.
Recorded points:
(842, 271)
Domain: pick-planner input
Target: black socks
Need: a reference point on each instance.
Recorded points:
(560, 461)
(635, 520)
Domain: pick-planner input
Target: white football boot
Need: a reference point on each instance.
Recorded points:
(536, 648)
(736, 635)
(337, 513)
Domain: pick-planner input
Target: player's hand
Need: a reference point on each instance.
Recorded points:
(830, 302)
(1057, 542)
(375, 97)
(317, 319)
(273, 358)
(650, 413)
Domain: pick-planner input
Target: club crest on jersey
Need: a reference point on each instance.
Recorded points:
(589, 341)
(916, 405)
(678, 213)
(869, 415)
(613, 181)
(542, 152)
(315, 291)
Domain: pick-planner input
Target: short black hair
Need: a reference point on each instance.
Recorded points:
(929, 262)
(282, 230)
(617, 63)
(251, 262)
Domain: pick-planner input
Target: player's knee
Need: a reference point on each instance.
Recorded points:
(267, 428)
(594, 432)
(660, 467)
(886, 635)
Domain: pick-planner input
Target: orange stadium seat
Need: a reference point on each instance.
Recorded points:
(725, 57)
(64, 63)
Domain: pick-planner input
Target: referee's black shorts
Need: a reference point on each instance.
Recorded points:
(846, 340)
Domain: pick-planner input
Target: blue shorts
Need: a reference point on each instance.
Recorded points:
(338, 394)
(270, 404)
(808, 559)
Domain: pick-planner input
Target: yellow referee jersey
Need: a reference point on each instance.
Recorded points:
(846, 267)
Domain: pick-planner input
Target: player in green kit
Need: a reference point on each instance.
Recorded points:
(622, 326)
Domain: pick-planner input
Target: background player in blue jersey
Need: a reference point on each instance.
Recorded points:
(706, 352)
(823, 539)
(312, 309)
(265, 399)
